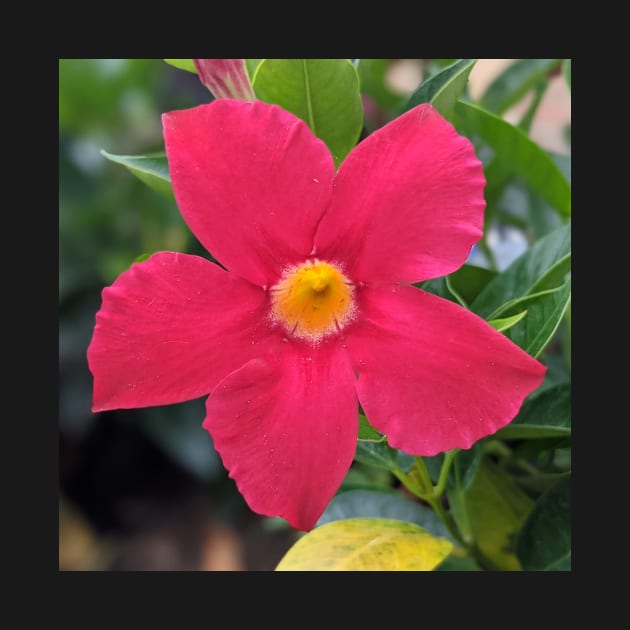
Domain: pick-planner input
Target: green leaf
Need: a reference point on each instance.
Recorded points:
(444, 88)
(183, 64)
(514, 82)
(544, 316)
(528, 117)
(377, 454)
(457, 562)
(491, 510)
(544, 542)
(369, 504)
(498, 173)
(366, 544)
(361, 477)
(558, 372)
(252, 65)
(324, 93)
(566, 71)
(542, 218)
(367, 432)
(152, 169)
(454, 292)
(542, 266)
(505, 323)
(523, 155)
(463, 468)
(547, 414)
(469, 280)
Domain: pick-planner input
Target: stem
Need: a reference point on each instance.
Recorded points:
(414, 488)
(446, 466)
(425, 478)
(448, 520)
(424, 489)
(432, 495)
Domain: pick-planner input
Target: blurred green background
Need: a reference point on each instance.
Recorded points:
(139, 489)
(144, 489)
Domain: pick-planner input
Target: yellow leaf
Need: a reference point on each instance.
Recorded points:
(366, 544)
(494, 508)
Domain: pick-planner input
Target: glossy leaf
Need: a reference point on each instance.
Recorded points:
(369, 504)
(528, 117)
(324, 93)
(498, 173)
(544, 542)
(542, 266)
(542, 218)
(514, 82)
(547, 414)
(544, 316)
(558, 372)
(366, 544)
(491, 510)
(505, 323)
(366, 478)
(524, 156)
(377, 454)
(465, 465)
(367, 432)
(444, 88)
(252, 66)
(152, 169)
(467, 281)
(454, 292)
(183, 64)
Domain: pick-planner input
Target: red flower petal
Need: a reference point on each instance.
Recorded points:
(286, 428)
(170, 329)
(432, 375)
(251, 181)
(407, 204)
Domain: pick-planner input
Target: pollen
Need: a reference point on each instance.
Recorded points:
(313, 300)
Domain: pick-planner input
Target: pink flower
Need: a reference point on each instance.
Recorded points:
(225, 78)
(315, 310)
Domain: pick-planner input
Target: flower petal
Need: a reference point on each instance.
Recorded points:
(251, 181)
(286, 428)
(432, 375)
(225, 78)
(170, 328)
(407, 203)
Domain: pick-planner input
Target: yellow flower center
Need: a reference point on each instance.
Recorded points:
(313, 300)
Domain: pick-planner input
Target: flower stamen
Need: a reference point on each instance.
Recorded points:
(313, 300)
